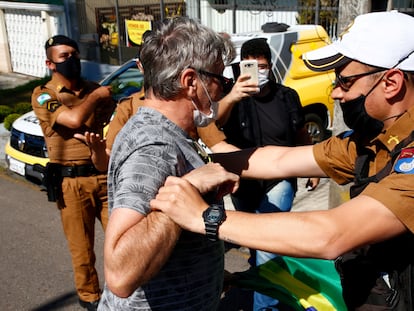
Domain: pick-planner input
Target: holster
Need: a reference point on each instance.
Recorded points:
(53, 181)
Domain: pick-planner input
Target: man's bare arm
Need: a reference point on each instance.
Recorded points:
(136, 248)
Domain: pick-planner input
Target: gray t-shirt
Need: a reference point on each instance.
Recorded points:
(146, 151)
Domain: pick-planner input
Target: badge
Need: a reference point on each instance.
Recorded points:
(52, 105)
(405, 162)
(42, 98)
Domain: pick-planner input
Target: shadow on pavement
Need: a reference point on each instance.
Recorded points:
(59, 302)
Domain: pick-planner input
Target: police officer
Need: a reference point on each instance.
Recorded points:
(67, 105)
(374, 65)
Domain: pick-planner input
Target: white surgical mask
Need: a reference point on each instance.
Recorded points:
(263, 77)
(201, 119)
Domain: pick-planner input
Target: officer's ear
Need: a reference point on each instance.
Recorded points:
(50, 65)
(393, 83)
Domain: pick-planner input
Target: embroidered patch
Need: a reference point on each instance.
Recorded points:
(42, 98)
(405, 162)
(52, 105)
(345, 134)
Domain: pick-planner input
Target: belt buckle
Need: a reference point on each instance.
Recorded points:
(71, 171)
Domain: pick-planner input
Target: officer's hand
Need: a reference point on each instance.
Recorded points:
(92, 140)
(101, 93)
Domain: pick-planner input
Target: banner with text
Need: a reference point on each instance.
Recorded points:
(135, 30)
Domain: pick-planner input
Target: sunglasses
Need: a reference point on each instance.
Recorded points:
(226, 83)
(346, 83)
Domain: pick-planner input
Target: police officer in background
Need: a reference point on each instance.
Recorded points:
(67, 105)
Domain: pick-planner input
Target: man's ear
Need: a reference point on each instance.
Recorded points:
(189, 80)
(49, 64)
(394, 82)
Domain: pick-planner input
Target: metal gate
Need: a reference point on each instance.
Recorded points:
(26, 40)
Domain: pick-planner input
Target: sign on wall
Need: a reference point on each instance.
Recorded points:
(134, 31)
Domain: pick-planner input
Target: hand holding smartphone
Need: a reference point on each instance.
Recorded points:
(250, 67)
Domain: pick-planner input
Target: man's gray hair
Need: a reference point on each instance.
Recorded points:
(176, 45)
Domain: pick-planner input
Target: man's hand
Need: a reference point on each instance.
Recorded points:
(99, 153)
(312, 183)
(182, 202)
(213, 177)
(241, 89)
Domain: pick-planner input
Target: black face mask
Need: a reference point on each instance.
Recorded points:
(356, 118)
(70, 68)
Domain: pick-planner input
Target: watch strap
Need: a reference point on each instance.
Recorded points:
(212, 227)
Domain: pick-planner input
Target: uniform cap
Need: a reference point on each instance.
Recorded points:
(61, 40)
(379, 39)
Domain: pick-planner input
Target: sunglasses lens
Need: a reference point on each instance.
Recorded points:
(339, 82)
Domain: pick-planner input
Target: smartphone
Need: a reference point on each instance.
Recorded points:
(250, 67)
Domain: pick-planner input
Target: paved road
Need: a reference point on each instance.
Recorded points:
(35, 265)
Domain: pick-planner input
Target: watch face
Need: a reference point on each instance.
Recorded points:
(214, 215)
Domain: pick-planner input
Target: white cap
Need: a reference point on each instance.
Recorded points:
(380, 39)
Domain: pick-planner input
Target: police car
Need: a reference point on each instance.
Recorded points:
(26, 152)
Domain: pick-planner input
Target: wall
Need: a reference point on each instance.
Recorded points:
(24, 28)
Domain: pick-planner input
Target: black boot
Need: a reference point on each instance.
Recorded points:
(89, 305)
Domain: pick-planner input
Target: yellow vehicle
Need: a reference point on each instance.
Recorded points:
(314, 88)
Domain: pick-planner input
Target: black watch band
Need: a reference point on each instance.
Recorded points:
(213, 217)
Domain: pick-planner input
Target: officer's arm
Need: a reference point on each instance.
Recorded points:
(136, 247)
(77, 115)
(316, 234)
(271, 162)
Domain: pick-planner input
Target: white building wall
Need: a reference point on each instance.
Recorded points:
(245, 20)
(27, 26)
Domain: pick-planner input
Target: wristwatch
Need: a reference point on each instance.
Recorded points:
(213, 217)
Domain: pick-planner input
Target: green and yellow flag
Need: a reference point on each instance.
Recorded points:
(302, 283)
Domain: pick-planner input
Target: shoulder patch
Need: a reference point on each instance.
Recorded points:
(345, 134)
(52, 105)
(42, 98)
(405, 162)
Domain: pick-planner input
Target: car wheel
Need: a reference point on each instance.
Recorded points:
(315, 127)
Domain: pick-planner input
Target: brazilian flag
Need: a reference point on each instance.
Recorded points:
(301, 283)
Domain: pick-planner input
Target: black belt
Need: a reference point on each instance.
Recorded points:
(79, 171)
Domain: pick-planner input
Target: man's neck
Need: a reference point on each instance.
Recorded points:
(72, 85)
(178, 111)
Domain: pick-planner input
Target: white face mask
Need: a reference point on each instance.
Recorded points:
(201, 119)
(263, 77)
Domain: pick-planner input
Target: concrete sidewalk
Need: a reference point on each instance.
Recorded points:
(11, 80)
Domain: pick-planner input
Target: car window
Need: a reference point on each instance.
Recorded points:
(126, 82)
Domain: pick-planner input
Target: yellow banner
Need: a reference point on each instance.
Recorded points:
(135, 30)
